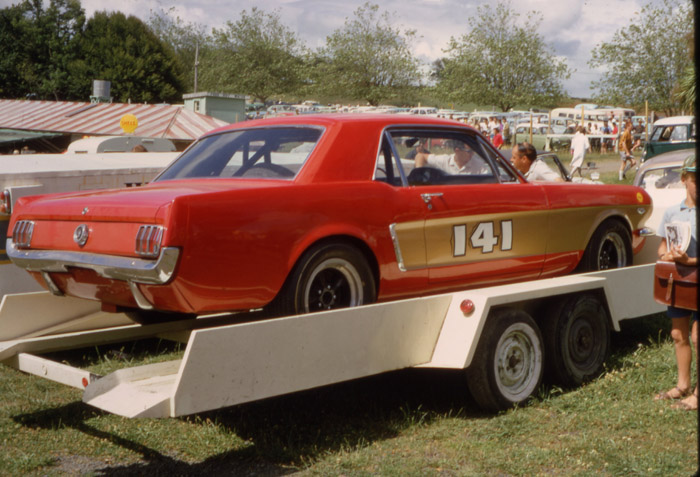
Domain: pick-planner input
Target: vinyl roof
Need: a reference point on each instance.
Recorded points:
(159, 120)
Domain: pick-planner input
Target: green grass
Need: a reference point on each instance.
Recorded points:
(411, 422)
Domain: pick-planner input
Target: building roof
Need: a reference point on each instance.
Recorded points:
(155, 120)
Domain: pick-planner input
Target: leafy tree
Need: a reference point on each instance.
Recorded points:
(502, 61)
(124, 51)
(256, 55)
(646, 60)
(40, 46)
(14, 58)
(368, 60)
(189, 41)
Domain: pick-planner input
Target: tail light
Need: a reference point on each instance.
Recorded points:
(5, 202)
(22, 233)
(148, 240)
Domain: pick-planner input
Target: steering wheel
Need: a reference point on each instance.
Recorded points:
(426, 176)
(276, 168)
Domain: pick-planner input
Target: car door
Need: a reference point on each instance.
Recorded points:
(482, 225)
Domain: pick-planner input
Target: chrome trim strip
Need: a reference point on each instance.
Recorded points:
(152, 272)
(646, 232)
(397, 247)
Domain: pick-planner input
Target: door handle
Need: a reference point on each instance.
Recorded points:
(428, 197)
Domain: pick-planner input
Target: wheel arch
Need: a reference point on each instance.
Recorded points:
(343, 238)
(609, 215)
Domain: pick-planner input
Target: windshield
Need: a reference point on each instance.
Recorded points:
(260, 153)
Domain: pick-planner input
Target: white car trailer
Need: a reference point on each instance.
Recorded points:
(503, 337)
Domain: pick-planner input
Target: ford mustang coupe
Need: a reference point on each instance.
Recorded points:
(306, 213)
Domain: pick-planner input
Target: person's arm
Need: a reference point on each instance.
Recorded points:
(421, 159)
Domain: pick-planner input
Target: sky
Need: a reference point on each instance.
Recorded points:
(572, 28)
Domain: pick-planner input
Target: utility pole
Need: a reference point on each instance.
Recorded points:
(196, 65)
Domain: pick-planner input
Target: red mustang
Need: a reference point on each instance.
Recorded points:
(306, 213)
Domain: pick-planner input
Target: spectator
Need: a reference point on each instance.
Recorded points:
(605, 142)
(524, 158)
(579, 146)
(625, 146)
(683, 322)
(497, 138)
(506, 133)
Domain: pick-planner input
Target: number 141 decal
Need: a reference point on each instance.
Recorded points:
(483, 236)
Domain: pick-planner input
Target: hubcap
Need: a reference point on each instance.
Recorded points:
(334, 283)
(612, 252)
(518, 362)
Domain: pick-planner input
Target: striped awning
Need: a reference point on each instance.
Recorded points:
(155, 120)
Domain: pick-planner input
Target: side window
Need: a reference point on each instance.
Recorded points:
(386, 169)
(430, 157)
(680, 133)
(666, 134)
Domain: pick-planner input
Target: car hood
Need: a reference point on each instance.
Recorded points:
(138, 204)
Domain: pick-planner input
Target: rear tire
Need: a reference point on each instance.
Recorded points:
(327, 277)
(508, 365)
(577, 340)
(609, 247)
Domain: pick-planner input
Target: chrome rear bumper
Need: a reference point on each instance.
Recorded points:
(131, 270)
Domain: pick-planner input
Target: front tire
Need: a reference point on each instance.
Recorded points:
(328, 277)
(609, 247)
(577, 339)
(508, 364)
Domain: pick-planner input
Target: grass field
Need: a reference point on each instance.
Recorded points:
(411, 422)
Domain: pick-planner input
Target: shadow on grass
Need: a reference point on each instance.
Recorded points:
(292, 431)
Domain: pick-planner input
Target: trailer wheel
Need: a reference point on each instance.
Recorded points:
(508, 365)
(327, 277)
(609, 247)
(577, 339)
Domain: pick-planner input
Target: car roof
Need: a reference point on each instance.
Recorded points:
(336, 119)
(666, 160)
(675, 120)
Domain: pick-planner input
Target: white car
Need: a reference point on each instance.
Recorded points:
(661, 178)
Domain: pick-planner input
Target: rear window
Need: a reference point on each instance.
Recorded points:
(259, 153)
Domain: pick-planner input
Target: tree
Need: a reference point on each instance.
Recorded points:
(257, 55)
(368, 60)
(646, 60)
(39, 48)
(502, 61)
(124, 51)
(189, 41)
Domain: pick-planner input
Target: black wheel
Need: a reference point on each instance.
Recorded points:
(150, 317)
(508, 364)
(327, 277)
(609, 247)
(577, 339)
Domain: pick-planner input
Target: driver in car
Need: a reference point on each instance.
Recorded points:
(461, 162)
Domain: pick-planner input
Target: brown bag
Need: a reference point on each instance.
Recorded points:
(676, 285)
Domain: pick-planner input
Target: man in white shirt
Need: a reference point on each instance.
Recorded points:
(463, 161)
(524, 159)
(579, 145)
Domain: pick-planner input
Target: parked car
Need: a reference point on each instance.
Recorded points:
(316, 212)
(670, 134)
(661, 178)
